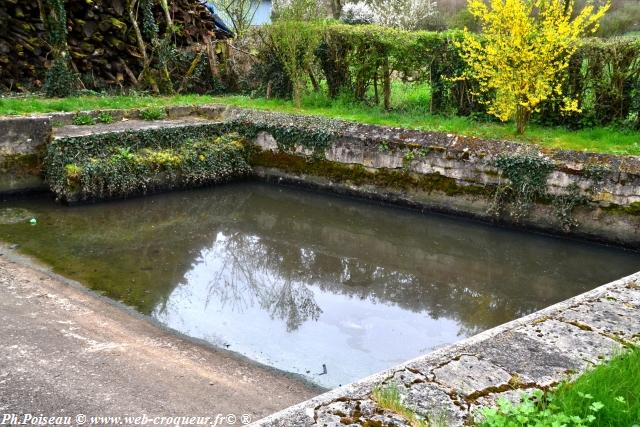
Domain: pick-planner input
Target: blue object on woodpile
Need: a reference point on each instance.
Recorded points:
(217, 20)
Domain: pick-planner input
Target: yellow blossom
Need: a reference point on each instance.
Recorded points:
(524, 47)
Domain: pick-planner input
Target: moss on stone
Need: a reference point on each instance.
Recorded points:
(21, 164)
(360, 175)
(630, 209)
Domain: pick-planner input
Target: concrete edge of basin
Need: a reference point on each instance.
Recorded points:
(536, 351)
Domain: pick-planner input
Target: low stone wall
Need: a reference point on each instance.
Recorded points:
(448, 386)
(22, 144)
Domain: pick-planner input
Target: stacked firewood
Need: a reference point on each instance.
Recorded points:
(103, 45)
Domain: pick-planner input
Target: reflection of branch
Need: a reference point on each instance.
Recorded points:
(245, 274)
(296, 304)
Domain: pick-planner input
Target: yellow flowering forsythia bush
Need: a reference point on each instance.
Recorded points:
(521, 56)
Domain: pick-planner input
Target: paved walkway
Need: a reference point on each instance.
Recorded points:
(66, 351)
(533, 352)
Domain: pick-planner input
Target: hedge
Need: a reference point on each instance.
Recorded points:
(604, 75)
(361, 59)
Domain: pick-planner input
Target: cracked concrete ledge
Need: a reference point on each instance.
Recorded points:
(448, 385)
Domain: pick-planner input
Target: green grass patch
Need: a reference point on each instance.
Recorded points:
(83, 120)
(153, 113)
(599, 140)
(410, 110)
(606, 396)
(37, 104)
(389, 398)
(105, 118)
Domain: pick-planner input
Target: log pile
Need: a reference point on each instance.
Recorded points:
(102, 42)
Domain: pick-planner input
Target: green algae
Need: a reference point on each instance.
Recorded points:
(359, 175)
(15, 215)
(630, 209)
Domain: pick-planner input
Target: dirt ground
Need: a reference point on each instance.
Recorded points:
(68, 351)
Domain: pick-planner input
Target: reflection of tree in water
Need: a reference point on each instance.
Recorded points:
(247, 276)
(277, 275)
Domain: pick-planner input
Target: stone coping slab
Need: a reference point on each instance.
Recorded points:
(447, 386)
(75, 131)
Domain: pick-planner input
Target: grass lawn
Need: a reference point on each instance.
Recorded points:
(606, 396)
(410, 111)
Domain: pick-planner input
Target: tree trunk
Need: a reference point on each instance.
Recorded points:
(298, 88)
(386, 83)
(522, 118)
(145, 75)
(376, 95)
(314, 82)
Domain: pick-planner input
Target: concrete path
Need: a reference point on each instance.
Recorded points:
(66, 351)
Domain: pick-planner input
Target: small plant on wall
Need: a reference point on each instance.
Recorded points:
(521, 56)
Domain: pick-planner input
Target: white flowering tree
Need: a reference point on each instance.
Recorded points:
(358, 13)
(403, 14)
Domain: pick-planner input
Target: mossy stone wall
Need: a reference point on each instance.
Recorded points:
(22, 144)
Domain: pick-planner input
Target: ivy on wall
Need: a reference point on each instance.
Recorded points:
(526, 184)
(124, 164)
(313, 133)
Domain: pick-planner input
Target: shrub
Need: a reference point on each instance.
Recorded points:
(364, 57)
(608, 395)
(82, 119)
(295, 45)
(105, 117)
(529, 412)
(296, 10)
(60, 81)
(604, 77)
(153, 113)
(524, 49)
(621, 20)
(403, 14)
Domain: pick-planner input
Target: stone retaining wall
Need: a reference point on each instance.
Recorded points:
(458, 175)
(448, 385)
(22, 143)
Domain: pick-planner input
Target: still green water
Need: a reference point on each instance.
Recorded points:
(298, 280)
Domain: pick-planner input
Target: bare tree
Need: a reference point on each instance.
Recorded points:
(238, 13)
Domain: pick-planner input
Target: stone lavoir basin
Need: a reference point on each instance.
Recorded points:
(328, 288)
